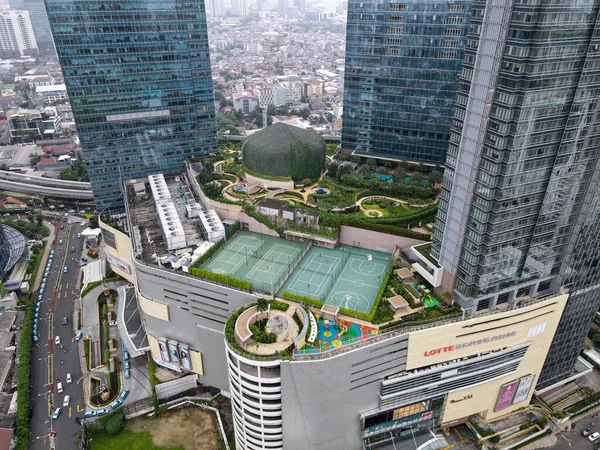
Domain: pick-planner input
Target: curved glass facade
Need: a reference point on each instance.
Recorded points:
(402, 63)
(12, 246)
(139, 80)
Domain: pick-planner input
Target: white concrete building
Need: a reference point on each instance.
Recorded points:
(244, 101)
(52, 93)
(16, 32)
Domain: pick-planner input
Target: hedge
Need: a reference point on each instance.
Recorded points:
(222, 279)
(302, 299)
(232, 229)
(279, 305)
(23, 379)
(533, 439)
(211, 251)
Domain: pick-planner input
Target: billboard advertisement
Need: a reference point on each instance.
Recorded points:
(522, 392)
(174, 352)
(118, 263)
(184, 357)
(164, 351)
(507, 393)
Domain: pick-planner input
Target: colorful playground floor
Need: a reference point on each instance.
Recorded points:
(428, 300)
(332, 336)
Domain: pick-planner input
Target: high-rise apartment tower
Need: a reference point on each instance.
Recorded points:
(138, 76)
(402, 64)
(518, 211)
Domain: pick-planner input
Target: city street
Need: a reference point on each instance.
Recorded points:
(60, 293)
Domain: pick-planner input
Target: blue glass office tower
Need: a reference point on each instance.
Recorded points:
(138, 77)
(402, 64)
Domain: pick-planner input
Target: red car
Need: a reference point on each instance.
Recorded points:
(62, 227)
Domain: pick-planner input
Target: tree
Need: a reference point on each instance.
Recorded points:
(446, 296)
(219, 96)
(371, 163)
(304, 113)
(420, 169)
(271, 110)
(402, 165)
(304, 99)
(213, 190)
(381, 170)
(39, 219)
(435, 177)
(262, 305)
(332, 169)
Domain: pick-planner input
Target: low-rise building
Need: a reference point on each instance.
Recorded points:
(244, 101)
(27, 125)
(52, 93)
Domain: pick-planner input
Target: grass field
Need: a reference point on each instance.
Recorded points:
(181, 429)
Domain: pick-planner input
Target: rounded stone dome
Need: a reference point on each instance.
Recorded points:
(282, 150)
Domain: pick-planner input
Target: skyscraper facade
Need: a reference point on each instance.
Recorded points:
(41, 26)
(139, 80)
(518, 212)
(402, 63)
(239, 7)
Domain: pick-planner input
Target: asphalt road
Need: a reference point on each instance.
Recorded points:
(574, 440)
(61, 287)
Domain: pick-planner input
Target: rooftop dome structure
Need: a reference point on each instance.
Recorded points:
(282, 150)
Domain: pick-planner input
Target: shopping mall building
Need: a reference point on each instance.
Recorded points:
(386, 383)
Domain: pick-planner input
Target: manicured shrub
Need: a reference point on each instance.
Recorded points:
(221, 279)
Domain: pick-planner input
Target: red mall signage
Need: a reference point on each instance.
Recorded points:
(437, 351)
(475, 342)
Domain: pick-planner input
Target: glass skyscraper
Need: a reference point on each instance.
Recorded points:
(402, 64)
(138, 77)
(519, 208)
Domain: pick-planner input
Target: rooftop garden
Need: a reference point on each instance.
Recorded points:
(353, 191)
(425, 250)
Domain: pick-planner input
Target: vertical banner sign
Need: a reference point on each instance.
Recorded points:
(184, 357)
(507, 392)
(525, 384)
(164, 351)
(174, 352)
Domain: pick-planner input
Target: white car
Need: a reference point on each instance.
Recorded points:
(66, 401)
(57, 340)
(69, 379)
(59, 387)
(592, 437)
(83, 224)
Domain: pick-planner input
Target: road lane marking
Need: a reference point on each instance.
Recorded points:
(568, 441)
(79, 380)
(456, 431)
(67, 286)
(80, 410)
(69, 412)
(447, 431)
(58, 296)
(60, 287)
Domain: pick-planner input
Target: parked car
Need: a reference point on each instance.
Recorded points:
(116, 404)
(59, 387)
(65, 270)
(57, 340)
(65, 321)
(101, 412)
(56, 413)
(79, 420)
(78, 235)
(125, 355)
(127, 365)
(69, 379)
(72, 249)
(66, 401)
(586, 432)
(124, 394)
(84, 259)
(78, 336)
(89, 414)
(72, 211)
(592, 437)
(83, 224)
(40, 297)
(126, 373)
(60, 242)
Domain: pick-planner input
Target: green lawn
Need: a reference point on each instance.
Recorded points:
(126, 440)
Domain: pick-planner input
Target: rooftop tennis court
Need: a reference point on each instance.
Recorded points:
(348, 277)
(261, 260)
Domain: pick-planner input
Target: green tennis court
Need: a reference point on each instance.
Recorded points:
(262, 260)
(348, 277)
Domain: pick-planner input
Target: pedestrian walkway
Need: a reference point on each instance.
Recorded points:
(42, 264)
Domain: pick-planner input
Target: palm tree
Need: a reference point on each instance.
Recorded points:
(262, 305)
(446, 296)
